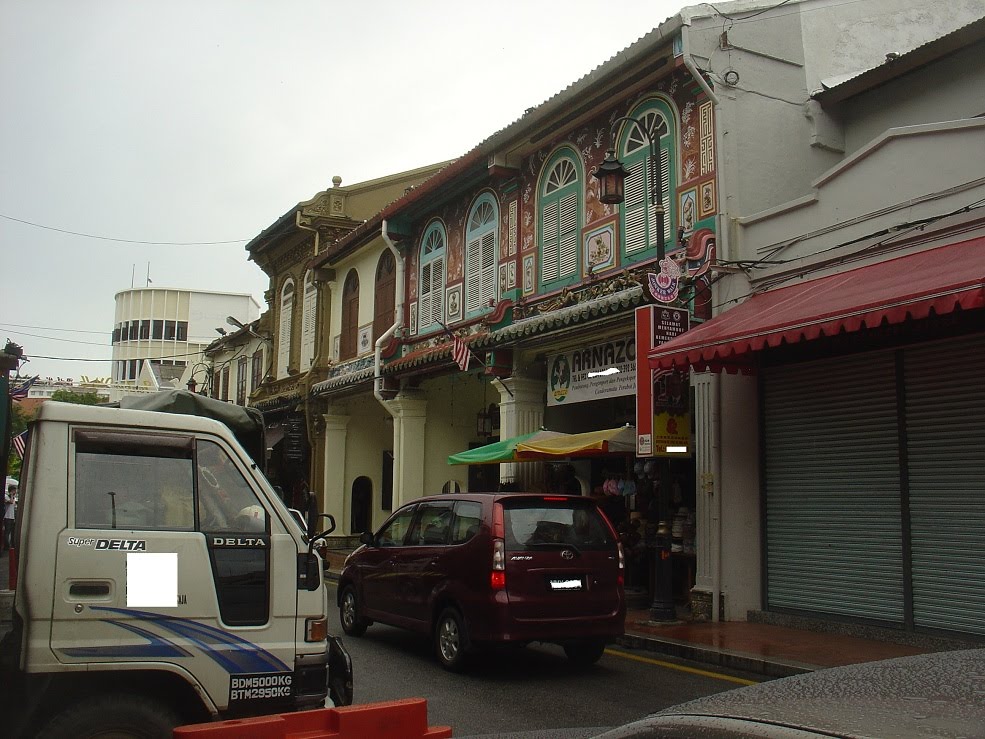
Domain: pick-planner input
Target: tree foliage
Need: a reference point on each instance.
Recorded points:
(69, 396)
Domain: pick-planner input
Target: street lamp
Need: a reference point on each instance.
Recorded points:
(611, 174)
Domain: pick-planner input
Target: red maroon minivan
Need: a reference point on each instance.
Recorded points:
(475, 568)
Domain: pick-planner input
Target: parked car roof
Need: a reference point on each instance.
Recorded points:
(927, 695)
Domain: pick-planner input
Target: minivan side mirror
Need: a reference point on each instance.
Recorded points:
(366, 537)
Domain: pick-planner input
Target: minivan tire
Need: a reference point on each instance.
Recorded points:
(451, 640)
(352, 623)
(585, 653)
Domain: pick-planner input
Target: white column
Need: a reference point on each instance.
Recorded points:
(334, 498)
(707, 434)
(409, 410)
(521, 411)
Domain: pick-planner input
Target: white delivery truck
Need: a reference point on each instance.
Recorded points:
(161, 581)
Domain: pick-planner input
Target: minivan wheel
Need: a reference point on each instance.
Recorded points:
(451, 640)
(585, 653)
(352, 624)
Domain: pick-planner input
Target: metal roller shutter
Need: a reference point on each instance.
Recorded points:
(945, 418)
(833, 519)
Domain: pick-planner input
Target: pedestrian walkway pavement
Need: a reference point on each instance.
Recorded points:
(780, 648)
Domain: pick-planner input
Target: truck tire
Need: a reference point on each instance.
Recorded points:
(113, 716)
(352, 623)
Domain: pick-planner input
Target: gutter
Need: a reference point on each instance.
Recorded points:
(398, 312)
(722, 237)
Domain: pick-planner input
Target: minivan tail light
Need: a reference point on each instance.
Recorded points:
(497, 578)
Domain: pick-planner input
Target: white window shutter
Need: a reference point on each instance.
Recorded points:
(568, 236)
(309, 311)
(488, 269)
(549, 260)
(473, 272)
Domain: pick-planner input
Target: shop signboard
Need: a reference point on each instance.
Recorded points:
(662, 422)
(594, 372)
(294, 439)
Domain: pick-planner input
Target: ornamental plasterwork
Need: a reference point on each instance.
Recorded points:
(568, 296)
(292, 256)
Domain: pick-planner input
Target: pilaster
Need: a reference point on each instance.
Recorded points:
(409, 410)
(521, 411)
(334, 499)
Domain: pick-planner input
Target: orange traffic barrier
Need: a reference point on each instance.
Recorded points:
(407, 719)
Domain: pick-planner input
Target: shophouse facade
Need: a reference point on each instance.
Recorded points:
(299, 311)
(838, 388)
(511, 250)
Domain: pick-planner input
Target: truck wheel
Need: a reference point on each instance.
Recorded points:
(113, 716)
(451, 640)
(352, 623)
(585, 653)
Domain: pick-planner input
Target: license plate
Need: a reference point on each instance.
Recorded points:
(566, 583)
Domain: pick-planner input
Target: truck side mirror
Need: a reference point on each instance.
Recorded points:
(311, 515)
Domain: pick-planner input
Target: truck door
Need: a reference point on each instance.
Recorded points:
(166, 559)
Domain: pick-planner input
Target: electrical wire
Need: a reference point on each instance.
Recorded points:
(124, 241)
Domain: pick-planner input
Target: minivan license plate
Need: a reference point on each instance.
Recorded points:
(568, 583)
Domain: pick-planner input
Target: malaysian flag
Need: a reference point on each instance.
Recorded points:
(19, 390)
(19, 443)
(460, 352)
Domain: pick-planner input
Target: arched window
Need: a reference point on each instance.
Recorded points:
(309, 312)
(285, 328)
(481, 252)
(560, 219)
(637, 214)
(431, 286)
(384, 294)
(350, 316)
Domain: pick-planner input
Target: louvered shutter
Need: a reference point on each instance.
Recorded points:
(424, 303)
(473, 275)
(437, 291)
(488, 269)
(634, 207)
(549, 259)
(568, 236)
(308, 323)
(284, 333)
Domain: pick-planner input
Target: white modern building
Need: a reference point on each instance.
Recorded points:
(170, 328)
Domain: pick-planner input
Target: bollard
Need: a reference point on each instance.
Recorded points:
(12, 568)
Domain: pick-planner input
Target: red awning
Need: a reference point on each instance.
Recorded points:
(940, 279)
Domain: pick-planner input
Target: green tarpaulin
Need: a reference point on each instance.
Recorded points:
(499, 451)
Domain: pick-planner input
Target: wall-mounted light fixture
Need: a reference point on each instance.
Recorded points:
(612, 175)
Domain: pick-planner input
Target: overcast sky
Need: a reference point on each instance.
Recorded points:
(193, 121)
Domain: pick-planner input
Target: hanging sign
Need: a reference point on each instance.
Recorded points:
(665, 286)
(655, 325)
(604, 370)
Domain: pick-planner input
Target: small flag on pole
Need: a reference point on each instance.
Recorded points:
(19, 391)
(460, 352)
(19, 443)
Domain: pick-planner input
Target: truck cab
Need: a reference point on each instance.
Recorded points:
(161, 581)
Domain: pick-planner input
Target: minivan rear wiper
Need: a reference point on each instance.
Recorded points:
(554, 545)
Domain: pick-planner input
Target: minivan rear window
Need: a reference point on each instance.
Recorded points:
(542, 524)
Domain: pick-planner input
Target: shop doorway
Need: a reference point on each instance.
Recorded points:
(360, 507)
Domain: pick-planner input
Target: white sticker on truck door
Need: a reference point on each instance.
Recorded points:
(152, 580)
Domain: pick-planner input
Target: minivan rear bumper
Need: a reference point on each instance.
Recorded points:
(495, 622)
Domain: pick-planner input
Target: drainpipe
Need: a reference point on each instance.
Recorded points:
(723, 249)
(716, 471)
(397, 314)
(723, 232)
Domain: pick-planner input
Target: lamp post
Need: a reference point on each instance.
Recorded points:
(611, 175)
